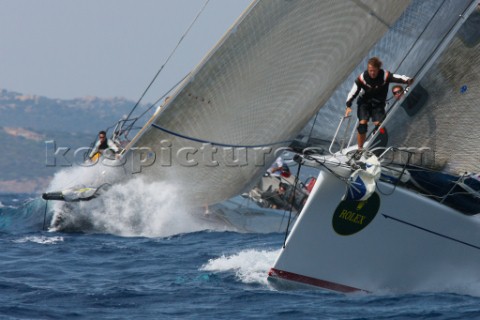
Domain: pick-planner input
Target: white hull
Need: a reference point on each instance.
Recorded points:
(411, 243)
(245, 216)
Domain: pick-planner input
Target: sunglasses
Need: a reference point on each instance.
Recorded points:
(397, 92)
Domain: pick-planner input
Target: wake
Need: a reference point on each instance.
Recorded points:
(250, 266)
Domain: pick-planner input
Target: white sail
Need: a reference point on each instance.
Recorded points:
(447, 122)
(400, 239)
(258, 87)
(404, 50)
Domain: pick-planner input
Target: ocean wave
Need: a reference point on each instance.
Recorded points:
(249, 266)
(40, 239)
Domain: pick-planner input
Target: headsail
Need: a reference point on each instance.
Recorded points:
(448, 121)
(404, 50)
(258, 87)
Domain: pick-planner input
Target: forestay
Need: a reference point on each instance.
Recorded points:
(259, 86)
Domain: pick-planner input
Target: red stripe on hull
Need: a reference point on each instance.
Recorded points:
(275, 273)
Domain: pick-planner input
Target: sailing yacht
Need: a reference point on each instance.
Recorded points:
(234, 114)
(403, 237)
(280, 64)
(253, 93)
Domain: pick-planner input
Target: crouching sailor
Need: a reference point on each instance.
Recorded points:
(103, 145)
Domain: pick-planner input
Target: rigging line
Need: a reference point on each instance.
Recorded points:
(431, 231)
(429, 60)
(134, 120)
(313, 126)
(168, 58)
(246, 202)
(336, 175)
(324, 162)
(281, 221)
(218, 143)
(408, 53)
(291, 205)
(159, 99)
(324, 165)
(453, 187)
(399, 178)
(441, 42)
(45, 215)
(419, 36)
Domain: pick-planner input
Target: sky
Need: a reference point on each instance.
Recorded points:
(70, 49)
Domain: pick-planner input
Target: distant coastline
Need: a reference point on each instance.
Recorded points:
(28, 121)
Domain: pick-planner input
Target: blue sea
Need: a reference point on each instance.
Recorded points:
(163, 269)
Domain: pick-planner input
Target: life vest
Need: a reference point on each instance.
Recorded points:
(367, 86)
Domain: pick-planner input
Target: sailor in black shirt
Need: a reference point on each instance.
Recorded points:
(371, 88)
(103, 144)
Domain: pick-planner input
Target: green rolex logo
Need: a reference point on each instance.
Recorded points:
(352, 216)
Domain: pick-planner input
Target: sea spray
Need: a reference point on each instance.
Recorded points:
(250, 265)
(137, 208)
(91, 176)
(129, 208)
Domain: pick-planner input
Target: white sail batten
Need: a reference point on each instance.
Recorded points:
(259, 86)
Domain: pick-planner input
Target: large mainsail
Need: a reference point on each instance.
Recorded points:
(258, 87)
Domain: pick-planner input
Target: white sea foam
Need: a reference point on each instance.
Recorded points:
(250, 266)
(40, 240)
(131, 208)
(89, 176)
